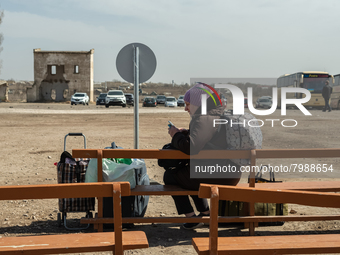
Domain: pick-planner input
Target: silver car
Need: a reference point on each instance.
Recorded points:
(170, 102)
(180, 101)
(160, 99)
(80, 98)
(115, 97)
(264, 102)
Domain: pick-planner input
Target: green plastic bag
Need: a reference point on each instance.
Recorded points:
(126, 161)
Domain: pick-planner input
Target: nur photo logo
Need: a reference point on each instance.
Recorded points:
(238, 104)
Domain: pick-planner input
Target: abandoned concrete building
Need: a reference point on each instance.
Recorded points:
(59, 74)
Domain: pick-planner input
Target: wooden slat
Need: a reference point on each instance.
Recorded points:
(265, 245)
(117, 211)
(84, 153)
(230, 219)
(146, 220)
(145, 153)
(211, 154)
(252, 172)
(89, 189)
(60, 191)
(251, 206)
(161, 190)
(100, 199)
(70, 243)
(99, 165)
(160, 154)
(213, 228)
(322, 186)
(298, 153)
(277, 218)
(273, 196)
(173, 154)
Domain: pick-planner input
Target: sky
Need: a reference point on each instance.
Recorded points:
(190, 38)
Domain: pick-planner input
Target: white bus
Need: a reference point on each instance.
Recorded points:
(314, 81)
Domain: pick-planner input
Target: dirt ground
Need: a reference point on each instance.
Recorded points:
(32, 139)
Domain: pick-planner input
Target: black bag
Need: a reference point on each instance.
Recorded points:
(260, 179)
(172, 164)
(236, 208)
(132, 206)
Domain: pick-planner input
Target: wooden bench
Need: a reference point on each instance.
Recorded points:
(116, 241)
(162, 190)
(159, 190)
(285, 244)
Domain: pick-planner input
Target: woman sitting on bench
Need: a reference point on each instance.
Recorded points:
(202, 135)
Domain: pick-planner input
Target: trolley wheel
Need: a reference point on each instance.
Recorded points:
(59, 222)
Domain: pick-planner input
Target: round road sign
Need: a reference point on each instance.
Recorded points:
(125, 62)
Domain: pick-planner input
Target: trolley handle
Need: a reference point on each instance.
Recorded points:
(74, 134)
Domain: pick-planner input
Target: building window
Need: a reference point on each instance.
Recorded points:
(65, 93)
(76, 69)
(53, 69)
(53, 94)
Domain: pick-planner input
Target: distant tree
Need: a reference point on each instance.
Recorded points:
(1, 35)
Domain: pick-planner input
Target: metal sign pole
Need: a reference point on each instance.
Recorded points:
(139, 70)
(136, 90)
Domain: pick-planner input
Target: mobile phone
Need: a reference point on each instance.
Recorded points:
(170, 124)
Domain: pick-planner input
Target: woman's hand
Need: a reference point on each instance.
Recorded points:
(173, 130)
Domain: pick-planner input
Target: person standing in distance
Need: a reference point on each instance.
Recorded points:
(326, 94)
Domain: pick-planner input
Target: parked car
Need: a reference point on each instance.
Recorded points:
(80, 98)
(130, 100)
(180, 101)
(268, 97)
(264, 102)
(101, 99)
(245, 102)
(160, 99)
(170, 102)
(149, 102)
(115, 97)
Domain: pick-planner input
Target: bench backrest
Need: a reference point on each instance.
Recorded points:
(209, 154)
(252, 155)
(252, 195)
(75, 190)
(158, 154)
